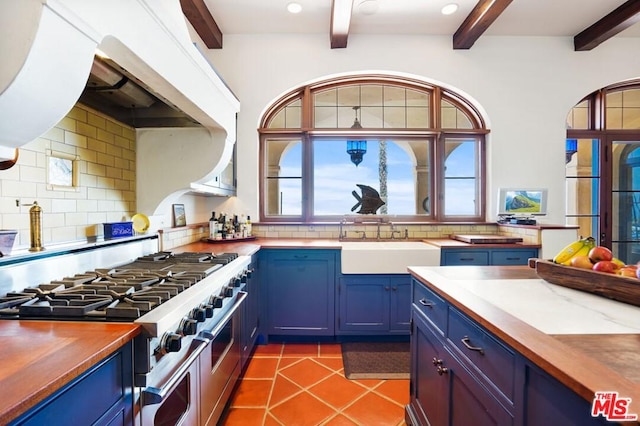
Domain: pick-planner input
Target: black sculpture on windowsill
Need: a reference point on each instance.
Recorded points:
(369, 202)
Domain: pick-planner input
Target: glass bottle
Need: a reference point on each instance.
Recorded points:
(213, 226)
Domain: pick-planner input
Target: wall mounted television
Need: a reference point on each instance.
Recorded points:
(522, 201)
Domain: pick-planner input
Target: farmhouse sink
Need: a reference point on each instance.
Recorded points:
(386, 257)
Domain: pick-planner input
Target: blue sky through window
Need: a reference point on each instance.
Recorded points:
(335, 177)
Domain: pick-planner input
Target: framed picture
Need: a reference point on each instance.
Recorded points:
(179, 218)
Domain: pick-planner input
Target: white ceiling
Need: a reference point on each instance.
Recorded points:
(521, 17)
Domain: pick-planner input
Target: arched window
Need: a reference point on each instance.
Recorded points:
(603, 168)
(372, 144)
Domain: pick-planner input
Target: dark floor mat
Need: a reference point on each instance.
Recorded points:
(379, 360)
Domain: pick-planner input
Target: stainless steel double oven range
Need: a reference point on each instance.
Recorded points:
(188, 357)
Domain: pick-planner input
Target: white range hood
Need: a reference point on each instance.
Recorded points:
(48, 58)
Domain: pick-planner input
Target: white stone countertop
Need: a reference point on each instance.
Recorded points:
(554, 309)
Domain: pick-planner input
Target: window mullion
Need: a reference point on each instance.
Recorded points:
(307, 177)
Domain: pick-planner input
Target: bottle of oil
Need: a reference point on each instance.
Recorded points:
(248, 226)
(213, 228)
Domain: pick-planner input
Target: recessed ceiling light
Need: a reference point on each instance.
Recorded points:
(368, 7)
(449, 9)
(294, 7)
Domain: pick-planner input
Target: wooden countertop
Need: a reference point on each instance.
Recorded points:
(450, 243)
(585, 363)
(252, 246)
(39, 357)
(247, 248)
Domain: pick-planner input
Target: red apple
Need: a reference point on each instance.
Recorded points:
(605, 266)
(599, 253)
(581, 262)
(627, 272)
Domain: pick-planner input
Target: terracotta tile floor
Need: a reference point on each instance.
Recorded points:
(300, 384)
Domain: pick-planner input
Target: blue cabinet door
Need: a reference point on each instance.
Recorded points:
(512, 256)
(364, 303)
(428, 390)
(400, 303)
(101, 396)
(487, 256)
(549, 402)
(374, 304)
(300, 291)
(464, 257)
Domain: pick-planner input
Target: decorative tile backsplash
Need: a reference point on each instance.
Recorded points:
(171, 238)
(103, 152)
(413, 231)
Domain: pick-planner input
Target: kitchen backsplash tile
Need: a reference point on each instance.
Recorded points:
(415, 231)
(106, 161)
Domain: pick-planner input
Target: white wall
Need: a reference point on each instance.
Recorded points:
(525, 85)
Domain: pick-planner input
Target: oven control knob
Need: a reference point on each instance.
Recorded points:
(237, 281)
(171, 342)
(199, 314)
(188, 326)
(227, 291)
(208, 309)
(243, 278)
(216, 301)
(249, 273)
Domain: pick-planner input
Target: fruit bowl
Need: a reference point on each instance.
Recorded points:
(612, 286)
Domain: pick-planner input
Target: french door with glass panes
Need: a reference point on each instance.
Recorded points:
(622, 234)
(603, 192)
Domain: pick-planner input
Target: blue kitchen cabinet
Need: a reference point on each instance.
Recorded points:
(444, 388)
(101, 396)
(486, 256)
(549, 402)
(462, 374)
(299, 291)
(374, 304)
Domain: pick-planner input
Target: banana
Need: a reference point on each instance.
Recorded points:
(581, 246)
(584, 251)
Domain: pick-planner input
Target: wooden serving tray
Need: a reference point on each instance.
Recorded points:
(616, 287)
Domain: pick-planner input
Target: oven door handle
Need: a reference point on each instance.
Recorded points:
(211, 334)
(153, 395)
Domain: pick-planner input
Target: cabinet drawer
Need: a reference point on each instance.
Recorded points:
(469, 257)
(512, 257)
(430, 304)
(487, 354)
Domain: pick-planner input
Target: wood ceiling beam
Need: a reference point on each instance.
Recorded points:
(340, 22)
(480, 18)
(620, 19)
(198, 14)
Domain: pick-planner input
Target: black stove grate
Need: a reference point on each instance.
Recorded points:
(122, 293)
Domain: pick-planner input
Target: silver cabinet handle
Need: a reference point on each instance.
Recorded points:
(427, 303)
(466, 341)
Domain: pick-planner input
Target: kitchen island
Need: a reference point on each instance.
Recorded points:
(586, 343)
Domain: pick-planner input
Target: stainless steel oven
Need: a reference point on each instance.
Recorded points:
(196, 393)
(189, 307)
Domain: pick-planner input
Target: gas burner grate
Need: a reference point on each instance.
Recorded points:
(125, 292)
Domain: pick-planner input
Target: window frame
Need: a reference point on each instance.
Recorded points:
(307, 133)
